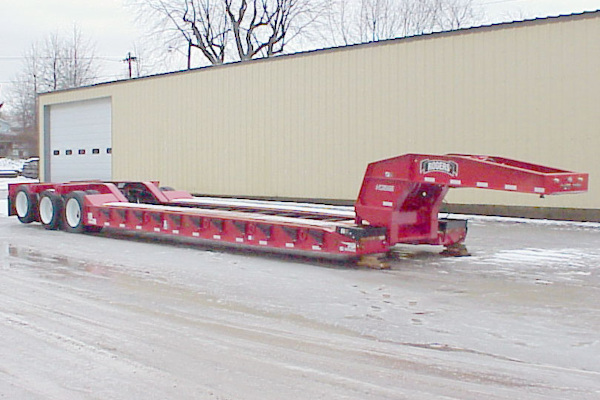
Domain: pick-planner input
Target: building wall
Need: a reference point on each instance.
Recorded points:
(306, 125)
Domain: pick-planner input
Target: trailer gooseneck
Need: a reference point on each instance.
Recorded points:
(398, 202)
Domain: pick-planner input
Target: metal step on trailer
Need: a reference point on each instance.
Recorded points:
(314, 210)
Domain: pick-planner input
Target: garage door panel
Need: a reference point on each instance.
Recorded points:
(73, 167)
(80, 140)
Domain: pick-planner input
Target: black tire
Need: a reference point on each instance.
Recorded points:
(73, 212)
(73, 217)
(50, 209)
(25, 205)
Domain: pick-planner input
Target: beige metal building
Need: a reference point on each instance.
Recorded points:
(306, 125)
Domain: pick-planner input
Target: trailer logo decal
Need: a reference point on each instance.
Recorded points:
(348, 247)
(446, 167)
(385, 188)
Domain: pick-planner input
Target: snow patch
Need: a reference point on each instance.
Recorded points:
(571, 257)
(8, 164)
(542, 265)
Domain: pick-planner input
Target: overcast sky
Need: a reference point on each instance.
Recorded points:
(110, 25)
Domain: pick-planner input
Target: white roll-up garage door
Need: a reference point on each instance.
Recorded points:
(78, 141)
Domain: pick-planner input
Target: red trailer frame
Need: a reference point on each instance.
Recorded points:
(399, 202)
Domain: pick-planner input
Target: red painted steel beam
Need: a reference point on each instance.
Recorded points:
(405, 193)
(398, 202)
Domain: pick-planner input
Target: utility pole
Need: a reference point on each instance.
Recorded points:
(189, 64)
(129, 60)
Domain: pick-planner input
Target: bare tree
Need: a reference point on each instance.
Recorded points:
(208, 22)
(264, 27)
(202, 24)
(79, 64)
(181, 25)
(379, 19)
(24, 88)
(339, 26)
(58, 62)
(454, 14)
(239, 30)
(229, 30)
(360, 21)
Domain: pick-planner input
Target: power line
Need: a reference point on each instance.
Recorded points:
(106, 58)
(498, 2)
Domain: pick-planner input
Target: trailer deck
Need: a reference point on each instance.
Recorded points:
(398, 202)
(312, 210)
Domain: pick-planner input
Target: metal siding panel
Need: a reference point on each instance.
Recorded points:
(307, 125)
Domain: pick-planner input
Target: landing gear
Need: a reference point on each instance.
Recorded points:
(456, 250)
(373, 261)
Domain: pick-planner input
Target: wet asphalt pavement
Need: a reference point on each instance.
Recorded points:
(114, 317)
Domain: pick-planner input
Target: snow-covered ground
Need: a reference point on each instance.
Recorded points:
(111, 316)
(8, 166)
(6, 163)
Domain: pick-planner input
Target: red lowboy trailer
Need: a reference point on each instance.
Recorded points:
(398, 202)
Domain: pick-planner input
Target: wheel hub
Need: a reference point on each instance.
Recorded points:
(46, 210)
(22, 204)
(73, 213)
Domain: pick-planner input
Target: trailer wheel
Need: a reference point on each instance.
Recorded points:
(50, 209)
(25, 205)
(73, 221)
